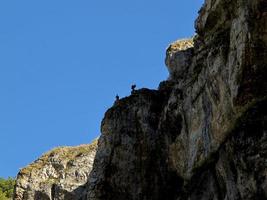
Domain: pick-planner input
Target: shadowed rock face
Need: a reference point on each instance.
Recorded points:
(202, 134)
(179, 57)
(130, 162)
(238, 169)
(59, 174)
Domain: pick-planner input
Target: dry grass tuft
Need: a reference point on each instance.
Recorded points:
(66, 153)
(181, 45)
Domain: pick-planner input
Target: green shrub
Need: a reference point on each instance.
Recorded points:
(6, 188)
(3, 196)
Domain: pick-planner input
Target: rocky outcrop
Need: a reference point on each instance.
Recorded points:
(59, 174)
(129, 163)
(202, 134)
(179, 53)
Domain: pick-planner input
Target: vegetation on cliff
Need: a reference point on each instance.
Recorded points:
(6, 188)
(63, 153)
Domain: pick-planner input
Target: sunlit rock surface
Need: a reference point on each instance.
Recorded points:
(59, 174)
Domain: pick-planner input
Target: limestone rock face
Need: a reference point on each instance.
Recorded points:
(59, 174)
(228, 73)
(202, 134)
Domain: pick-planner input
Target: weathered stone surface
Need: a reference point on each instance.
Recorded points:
(228, 73)
(207, 137)
(129, 162)
(201, 136)
(238, 170)
(59, 174)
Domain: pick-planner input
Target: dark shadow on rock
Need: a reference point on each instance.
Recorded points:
(41, 196)
(58, 193)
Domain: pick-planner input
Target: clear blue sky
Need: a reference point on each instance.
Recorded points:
(62, 62)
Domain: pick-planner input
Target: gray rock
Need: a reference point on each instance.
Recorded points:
(129, 163)
(194, 138)
(201, 136)
(59, 174)
(179, 57)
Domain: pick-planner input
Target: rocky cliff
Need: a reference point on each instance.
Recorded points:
(59, 174)
(203, 134)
